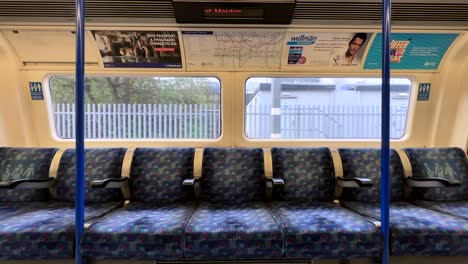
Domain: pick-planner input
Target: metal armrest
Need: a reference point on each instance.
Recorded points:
(110, 183)
(269, 184)
(354, 182)
(274, 182)
(190, 182)
(432, 182)
(28, 184)
(193, 186)
(277, 181)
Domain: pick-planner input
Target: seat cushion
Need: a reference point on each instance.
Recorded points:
(326, 230)
(458, 208)
(139, 231)
(233, 231)
(417, 231)
(25, 163)
(10, 209)
(44, 230)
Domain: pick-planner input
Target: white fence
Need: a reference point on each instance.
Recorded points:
(141, 121)
(325, 121)
(178, 121)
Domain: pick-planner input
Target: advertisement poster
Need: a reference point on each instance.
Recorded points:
(139, 49)
(411, 51)
(326, 49)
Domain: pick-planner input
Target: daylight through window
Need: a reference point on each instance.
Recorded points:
(140, 107)
(322, 108)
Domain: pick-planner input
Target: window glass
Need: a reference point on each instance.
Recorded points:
(321, 108)
(119, 107)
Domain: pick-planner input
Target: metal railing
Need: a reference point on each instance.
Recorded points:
(192, 121)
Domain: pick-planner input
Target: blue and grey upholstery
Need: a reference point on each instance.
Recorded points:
(46, 229)
(365, 163)
(417, 231)
(314, 226)
(446, 163)
(43, 230)
(153, 224)
(233, 231)
(455, 208)
(233, 222)
(414, 230)
(103, 162)
(308, 174)
(232, 175)
(24, 163)
(139, 231)
(157, 174)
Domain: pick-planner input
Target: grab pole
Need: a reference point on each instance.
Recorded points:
(385, 148)
(79, 132)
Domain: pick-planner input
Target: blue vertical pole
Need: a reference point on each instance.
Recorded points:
(385, 153)
(80, 156)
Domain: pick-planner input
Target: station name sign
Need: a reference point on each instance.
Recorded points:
(220, 12)
(234, 12)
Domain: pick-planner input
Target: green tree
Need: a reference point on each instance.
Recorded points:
(139, 90)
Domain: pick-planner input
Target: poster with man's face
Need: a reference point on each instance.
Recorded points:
(305, 49)
(141, 49)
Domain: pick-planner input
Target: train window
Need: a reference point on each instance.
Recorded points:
(119, 107)
(321, 108)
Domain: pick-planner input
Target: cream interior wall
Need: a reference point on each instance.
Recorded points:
(15, 128)
(232, 119)
(459, 136)
(438, 122)
(449, 100)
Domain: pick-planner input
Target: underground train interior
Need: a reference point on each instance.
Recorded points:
(283, 81)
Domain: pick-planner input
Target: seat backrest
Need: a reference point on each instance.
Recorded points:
(232, 175)
(448, 163)
(365, 163)
(308, 174)
(100, 163)
(157, 175)
(25, 163)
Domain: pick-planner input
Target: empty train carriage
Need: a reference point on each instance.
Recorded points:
(234, 131)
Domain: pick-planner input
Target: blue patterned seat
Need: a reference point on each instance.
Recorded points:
(414, 230)
(24, 163)
(43, 230)
(455, 208)
(447, 163)
(314, 226)
(233, 222)
(152, 226)
(417, 231)
(46, 229)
